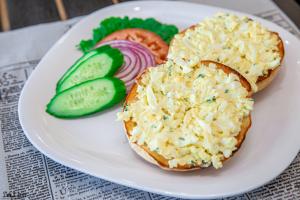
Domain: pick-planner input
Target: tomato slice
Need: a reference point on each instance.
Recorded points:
(148, 39)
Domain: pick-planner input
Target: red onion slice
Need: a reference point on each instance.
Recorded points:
(130, 61)
(136, 59)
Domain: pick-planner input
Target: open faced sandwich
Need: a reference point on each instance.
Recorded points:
(239, 42)
(184, 121)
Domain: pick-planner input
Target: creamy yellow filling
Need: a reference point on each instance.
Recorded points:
(188, 117)
(238, 42)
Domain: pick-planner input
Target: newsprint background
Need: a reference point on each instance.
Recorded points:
(29, 175)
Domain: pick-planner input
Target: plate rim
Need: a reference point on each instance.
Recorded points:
(71, 164)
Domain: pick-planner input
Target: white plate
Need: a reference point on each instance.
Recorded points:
(97, 145)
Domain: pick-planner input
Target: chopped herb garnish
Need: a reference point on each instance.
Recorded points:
(244, 107)
(165, 117)
(170, 70)
(201, 76)
(194, 163)
(204, 163)
(213, 99)
(227, 90)
(181, 138)
(153, 126)
(247, 72)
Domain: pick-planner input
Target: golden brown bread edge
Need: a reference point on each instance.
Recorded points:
(262, 81)
(159, 160)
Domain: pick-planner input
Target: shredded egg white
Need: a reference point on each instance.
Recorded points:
(188, 117)
(238, 42)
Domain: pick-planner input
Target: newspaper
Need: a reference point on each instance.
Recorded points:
(27, 174)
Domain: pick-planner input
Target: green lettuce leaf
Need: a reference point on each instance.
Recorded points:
(112, 24)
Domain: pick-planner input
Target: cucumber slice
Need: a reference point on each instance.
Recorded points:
(104, 61)
(80, 60)
(87, 98)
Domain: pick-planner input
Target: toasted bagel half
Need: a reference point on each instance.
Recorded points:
(262, 81)
(159, 160)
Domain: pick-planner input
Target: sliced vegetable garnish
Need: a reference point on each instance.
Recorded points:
(148, 39)
(112, 24)
(137, 58)
(87, 98)
(103, 61)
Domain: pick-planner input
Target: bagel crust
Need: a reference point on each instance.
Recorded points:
(262, 81)
(157, 159)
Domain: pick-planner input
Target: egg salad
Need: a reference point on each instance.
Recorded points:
(188, 117)
(238, 42)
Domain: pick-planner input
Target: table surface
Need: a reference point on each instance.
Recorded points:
(17, 14)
